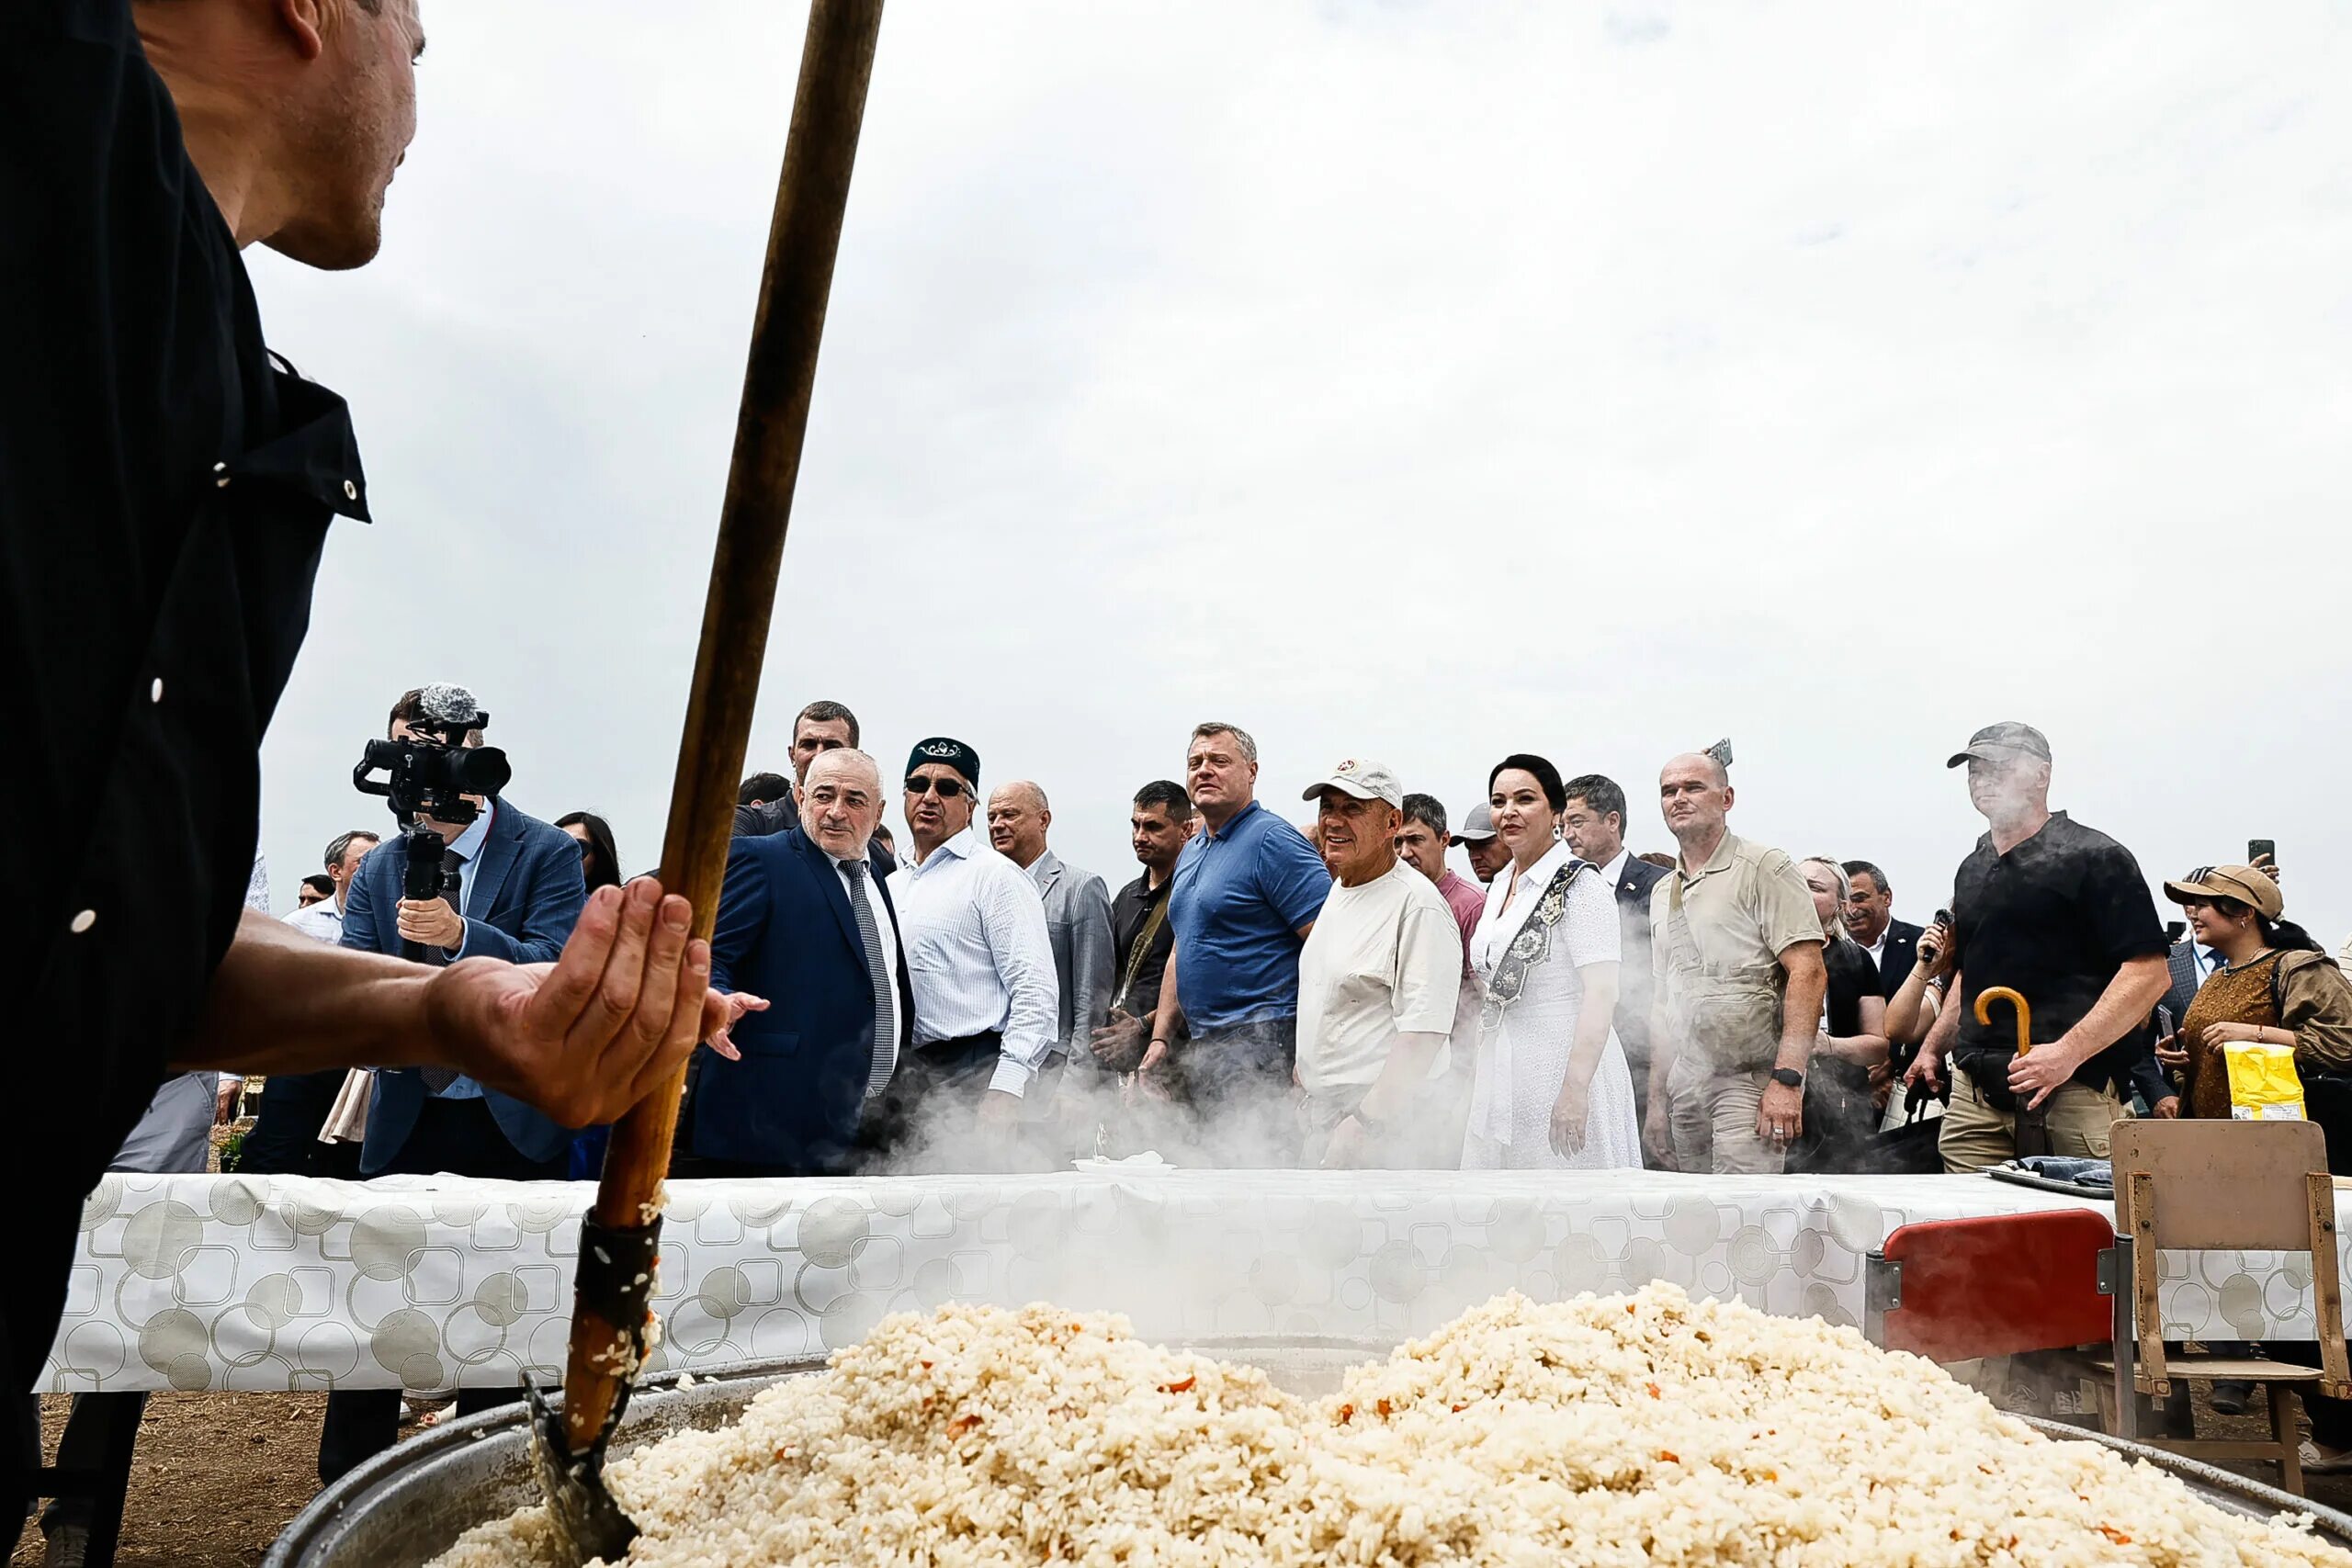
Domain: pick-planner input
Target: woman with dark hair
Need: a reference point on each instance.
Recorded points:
(1552, 1090)
(2275, 987)
(600, 860)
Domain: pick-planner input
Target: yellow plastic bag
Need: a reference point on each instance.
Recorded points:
(2264, 1085)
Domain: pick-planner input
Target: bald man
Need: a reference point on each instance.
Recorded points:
(1738, 980)
(1077, 919)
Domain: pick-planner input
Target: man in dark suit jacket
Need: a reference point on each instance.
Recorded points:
(809, 1095)
(520, 893)
(1594, 827)
(1893, 945)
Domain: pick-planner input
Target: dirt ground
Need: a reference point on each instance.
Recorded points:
(219, 1475)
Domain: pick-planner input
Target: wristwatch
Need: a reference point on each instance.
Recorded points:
(1788, 1077)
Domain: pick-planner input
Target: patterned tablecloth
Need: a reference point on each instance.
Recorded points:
(271, 1283)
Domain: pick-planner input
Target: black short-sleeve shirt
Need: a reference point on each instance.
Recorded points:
(1131, 911)
(2053, 920)
(166, 491)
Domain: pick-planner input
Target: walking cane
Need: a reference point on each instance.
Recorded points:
(614, 1282)
(2033, 1126)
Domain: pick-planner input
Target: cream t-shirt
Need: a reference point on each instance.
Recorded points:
(1384, 959)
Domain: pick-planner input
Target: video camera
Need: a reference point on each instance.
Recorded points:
(431, 777)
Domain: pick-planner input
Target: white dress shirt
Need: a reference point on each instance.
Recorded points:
(978, 954)
(323, 920)
(860, 889)
(1613, 873)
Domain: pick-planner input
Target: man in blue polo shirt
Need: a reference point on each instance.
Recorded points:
(1246, 892)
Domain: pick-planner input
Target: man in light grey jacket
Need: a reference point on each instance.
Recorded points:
(1078, 918)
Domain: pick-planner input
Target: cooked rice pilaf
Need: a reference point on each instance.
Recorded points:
(1615, 1430)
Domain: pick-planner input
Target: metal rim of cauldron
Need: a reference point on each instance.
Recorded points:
(314, 1530)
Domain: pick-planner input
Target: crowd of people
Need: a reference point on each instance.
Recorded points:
(1333, 992)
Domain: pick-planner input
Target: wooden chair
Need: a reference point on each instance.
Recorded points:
(2190, 1186)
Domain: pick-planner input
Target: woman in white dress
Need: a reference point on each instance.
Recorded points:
(1552, 1090)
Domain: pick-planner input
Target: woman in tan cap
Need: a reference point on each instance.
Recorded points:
(2275, 987)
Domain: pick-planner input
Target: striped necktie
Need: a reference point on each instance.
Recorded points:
(878, 973)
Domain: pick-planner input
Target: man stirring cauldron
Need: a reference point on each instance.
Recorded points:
(167, 489)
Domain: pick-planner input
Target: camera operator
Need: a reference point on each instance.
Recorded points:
(510, 886)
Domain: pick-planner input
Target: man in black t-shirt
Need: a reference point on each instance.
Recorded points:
(166, 491)
(2059, 913)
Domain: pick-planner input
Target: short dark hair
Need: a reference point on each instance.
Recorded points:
(320, 883)
(340, 845)
(1853, 868)
(1599, 791)
(411, 710)
(1168, 793)
(763, 786)
(1429, 811)
(1547, 777)
(822, 712)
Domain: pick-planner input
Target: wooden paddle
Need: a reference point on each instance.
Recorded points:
(617, 1245)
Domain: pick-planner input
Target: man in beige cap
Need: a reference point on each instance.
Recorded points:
(1377, 981)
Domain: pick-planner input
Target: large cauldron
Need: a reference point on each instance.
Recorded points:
(407, 1505)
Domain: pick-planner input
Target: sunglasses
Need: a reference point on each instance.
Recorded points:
(946, 789)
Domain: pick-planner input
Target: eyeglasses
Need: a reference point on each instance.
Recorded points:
(946, 789)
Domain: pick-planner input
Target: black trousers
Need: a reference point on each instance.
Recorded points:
(460, 1136)
(1239, 1081)
(924, 1120)
(99, 1439)
(284, 1138)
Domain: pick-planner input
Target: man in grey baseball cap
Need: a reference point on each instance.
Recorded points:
(1377, 980)
(2005, 742)
(1476, 835)
(2055, 911)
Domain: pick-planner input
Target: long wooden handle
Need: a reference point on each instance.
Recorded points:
(804, 236)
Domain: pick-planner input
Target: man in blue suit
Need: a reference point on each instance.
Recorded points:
(804, 920)
(520, 891)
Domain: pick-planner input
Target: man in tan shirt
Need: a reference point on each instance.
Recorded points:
(1737, 970)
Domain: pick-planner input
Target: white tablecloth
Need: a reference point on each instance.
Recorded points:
(274, 1283)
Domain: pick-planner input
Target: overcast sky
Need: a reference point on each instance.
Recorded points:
(1417, 382)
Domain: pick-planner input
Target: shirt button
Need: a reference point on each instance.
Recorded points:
(85, 921)
(155, 692)
(350, 490)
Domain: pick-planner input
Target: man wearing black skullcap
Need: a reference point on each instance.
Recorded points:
(987, 996)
